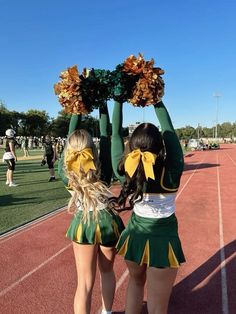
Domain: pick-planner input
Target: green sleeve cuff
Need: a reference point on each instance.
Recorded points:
(75, 122)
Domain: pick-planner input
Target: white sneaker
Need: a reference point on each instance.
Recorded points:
(7, 182)
(13, 184)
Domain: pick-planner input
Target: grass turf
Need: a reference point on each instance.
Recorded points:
(34, 196)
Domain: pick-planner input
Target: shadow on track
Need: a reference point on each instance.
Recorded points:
(188, 167)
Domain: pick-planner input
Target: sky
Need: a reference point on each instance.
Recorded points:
(194, 41)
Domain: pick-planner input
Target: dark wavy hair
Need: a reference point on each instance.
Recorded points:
(145, 137)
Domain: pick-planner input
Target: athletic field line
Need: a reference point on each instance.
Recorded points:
(224, 290)
(13, 285)
(28, 226)
(190, 177)
(231, 159)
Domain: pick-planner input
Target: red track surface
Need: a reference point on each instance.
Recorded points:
(37, 265)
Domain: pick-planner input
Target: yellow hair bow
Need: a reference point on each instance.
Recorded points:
(80, 159)
(133, 159)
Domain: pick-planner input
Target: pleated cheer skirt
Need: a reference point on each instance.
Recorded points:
(151, 241)
(105, 231)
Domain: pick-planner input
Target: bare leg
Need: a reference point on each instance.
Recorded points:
(159, 286)
(86, 262)
(9, 175)
(52, 172)
(108, 280)
(135, 291)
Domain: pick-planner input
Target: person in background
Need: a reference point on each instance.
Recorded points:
(25, 146)
(49, 156)
(10, 157)
(150, 171)
(59, 147)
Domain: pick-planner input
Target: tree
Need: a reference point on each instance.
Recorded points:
(35, 123)
(91, 124)
(5, 118)
(187, 132)
(60, 125)
(225, 129)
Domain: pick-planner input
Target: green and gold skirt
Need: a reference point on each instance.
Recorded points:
(105, 231)
(151, 241)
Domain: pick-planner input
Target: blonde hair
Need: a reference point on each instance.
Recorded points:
(87, 188)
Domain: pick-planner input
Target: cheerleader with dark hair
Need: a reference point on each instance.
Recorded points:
(150, 170)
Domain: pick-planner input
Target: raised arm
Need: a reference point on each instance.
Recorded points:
(174, 153)
(117, 144)
(75, 121)
(105, 145)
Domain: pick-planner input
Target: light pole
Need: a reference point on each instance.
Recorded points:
(217, 96)
(198, 131)
(143, 114)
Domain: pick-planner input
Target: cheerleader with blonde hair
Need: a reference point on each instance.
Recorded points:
(95, 227)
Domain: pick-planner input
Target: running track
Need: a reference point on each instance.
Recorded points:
(37, 267)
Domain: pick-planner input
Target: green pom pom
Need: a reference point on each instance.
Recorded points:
(122, 84)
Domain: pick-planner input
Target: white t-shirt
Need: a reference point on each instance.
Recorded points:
(156, 205)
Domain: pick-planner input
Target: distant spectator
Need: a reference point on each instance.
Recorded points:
(25, 146)
(10, 157)
(49, 156)
(185, 144)
(59, 147)
(30, 142)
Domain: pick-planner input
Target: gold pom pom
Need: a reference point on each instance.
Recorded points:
(149, 88)
(69, 91)
(133, 65)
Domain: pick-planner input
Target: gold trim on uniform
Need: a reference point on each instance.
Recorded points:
(161, 182)
(172, 258)
(146, 255)
(98, 237)
(124, 247)
(78, 233)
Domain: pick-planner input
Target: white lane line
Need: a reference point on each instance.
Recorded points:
(197, 166)
(224, 290)
(13, 285)
(231, 159)
(28, 226)
(122, 279)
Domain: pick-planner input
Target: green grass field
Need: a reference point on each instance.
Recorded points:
(34, 196)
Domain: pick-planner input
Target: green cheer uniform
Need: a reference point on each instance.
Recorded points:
(151, 236)
(108, 226)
